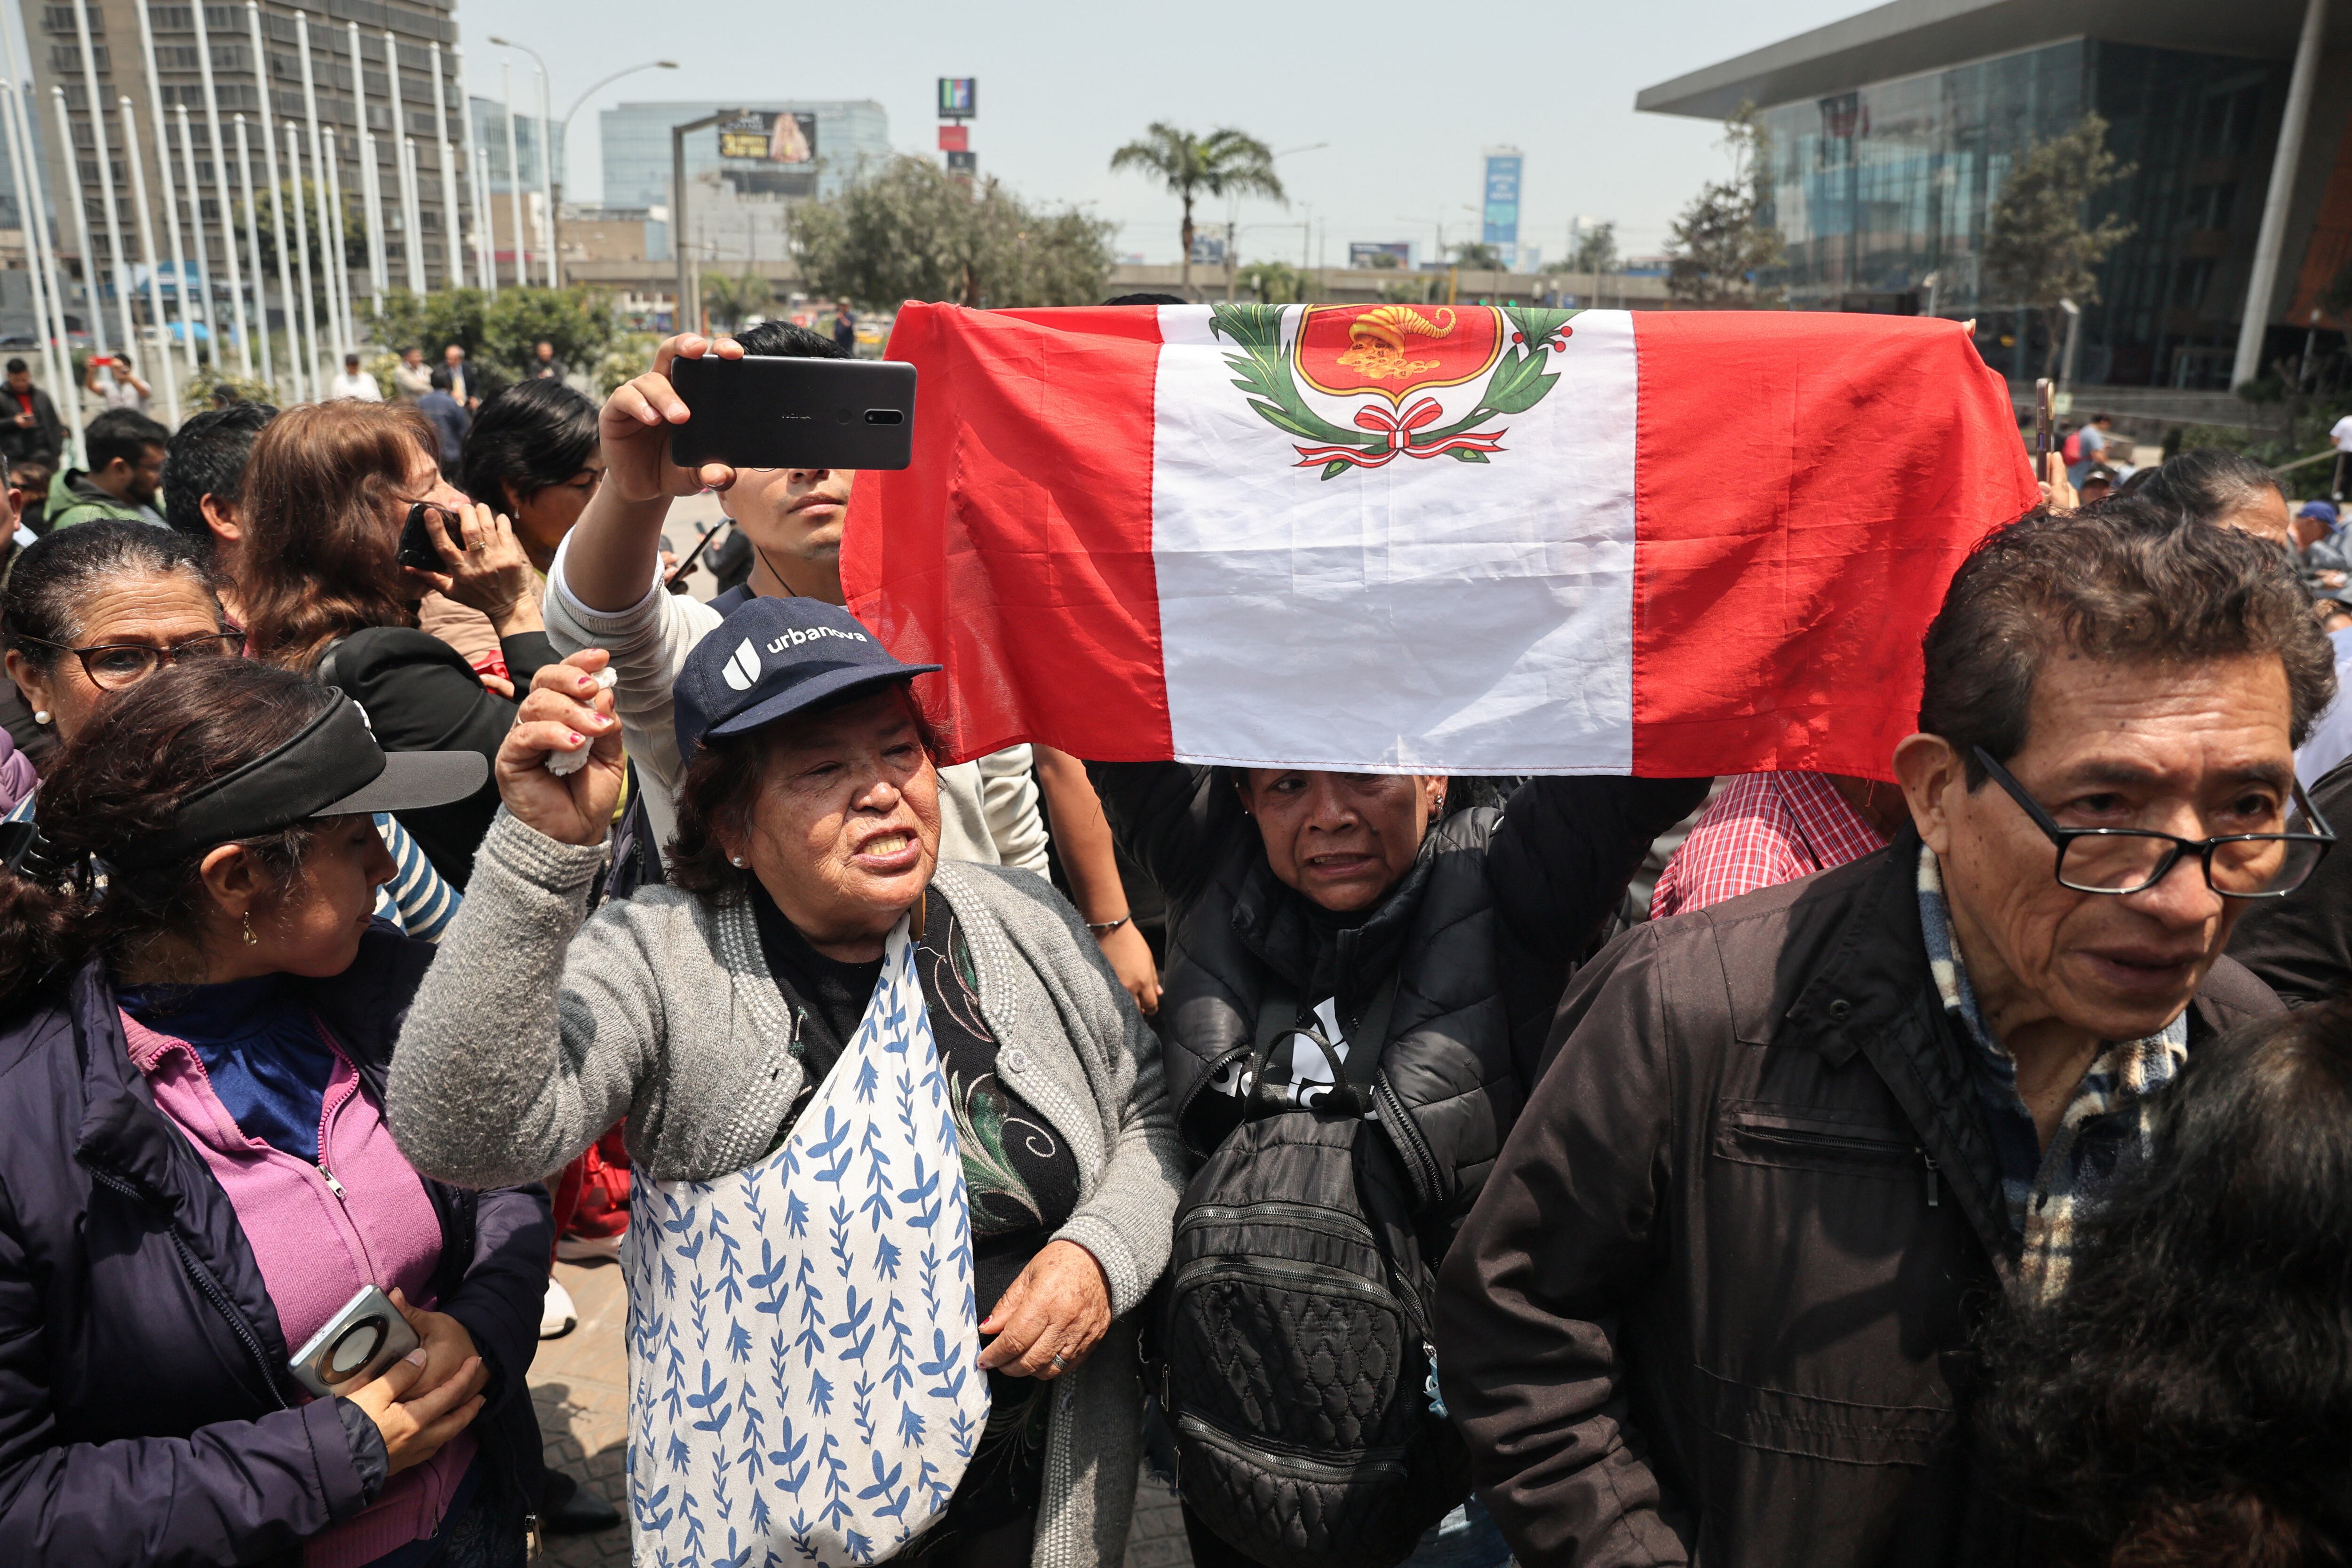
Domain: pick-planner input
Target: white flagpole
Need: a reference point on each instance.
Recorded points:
(171, 200)
(514, 177)
(253, 247)
(302, 249)
(486, 242)
(453, 226)
(44, 258)
(341, 268)
(196, 224)
(220, 194)
(163, 368)
(547, 181)
(97, 104)
(330, 248)
(412, 169)
(294, 358)
(72, 389)
(411, 242)
(370, 178)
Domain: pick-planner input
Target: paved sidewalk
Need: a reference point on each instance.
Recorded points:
(581, 1385)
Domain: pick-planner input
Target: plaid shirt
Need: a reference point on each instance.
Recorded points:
(1765, 828)
(2105, 1124)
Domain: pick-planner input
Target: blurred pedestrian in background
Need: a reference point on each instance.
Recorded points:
(354, 382)
(111, 381)
(30, 430)
(125, 451)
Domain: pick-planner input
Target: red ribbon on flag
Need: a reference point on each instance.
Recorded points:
(1399, 434)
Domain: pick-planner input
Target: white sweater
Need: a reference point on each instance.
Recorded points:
(988, 808)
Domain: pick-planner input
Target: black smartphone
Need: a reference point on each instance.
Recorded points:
(416, 545)
(771, 413)
(2043, 423)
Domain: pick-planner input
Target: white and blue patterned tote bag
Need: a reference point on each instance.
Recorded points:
(803, 1341)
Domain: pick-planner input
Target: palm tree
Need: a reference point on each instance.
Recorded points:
(1225, 162)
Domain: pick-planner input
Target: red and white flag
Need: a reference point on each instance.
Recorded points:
(1432, 538)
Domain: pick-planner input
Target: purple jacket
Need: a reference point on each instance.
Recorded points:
(146, 1416)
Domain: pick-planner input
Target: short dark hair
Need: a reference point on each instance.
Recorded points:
(441, 379)
(2191, 1386)
(723, 779)
(782, 340)
(1146, 299)
(41, 609)
(206, 456)
(532, 435)
(16, 366)
(2130, 580)
(2211, 482)
(124, 433)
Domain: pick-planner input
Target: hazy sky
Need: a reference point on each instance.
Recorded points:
(1408, 97)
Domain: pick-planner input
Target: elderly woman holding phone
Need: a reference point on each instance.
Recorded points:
(882, 1108)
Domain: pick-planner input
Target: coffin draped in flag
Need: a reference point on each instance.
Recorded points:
(1432, 538)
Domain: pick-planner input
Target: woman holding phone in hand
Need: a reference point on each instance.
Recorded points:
(881, 1108)
(197, 1176)
(327, 492)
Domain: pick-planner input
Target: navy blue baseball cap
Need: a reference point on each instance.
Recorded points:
(774, 657)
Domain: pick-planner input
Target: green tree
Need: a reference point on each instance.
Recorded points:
(1225, 162)
(733, 300)
(1476, 256)
(1275, 282)
(912, 231)
(497, 332)
(2039, 247)
(1722, 242)
(1596, 251)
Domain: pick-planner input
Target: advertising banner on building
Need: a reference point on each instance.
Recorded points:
(1500, 228)
(789, 137)
(959, 97)
(1383, 254)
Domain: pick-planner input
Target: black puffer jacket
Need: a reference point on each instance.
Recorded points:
(1483, 931)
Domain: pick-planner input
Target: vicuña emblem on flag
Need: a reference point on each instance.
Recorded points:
(1412, 381)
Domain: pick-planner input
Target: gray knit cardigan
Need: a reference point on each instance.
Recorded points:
(532, 1033)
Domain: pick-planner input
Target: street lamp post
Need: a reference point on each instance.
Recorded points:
(547, 141)
(677, 134)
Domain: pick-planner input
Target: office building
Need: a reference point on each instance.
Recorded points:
(1891, 134)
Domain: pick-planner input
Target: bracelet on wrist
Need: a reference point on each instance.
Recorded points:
(1105, 928)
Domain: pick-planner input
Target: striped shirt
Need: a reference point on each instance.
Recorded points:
(2105, 1126)
(416, 899)
(1764, 829)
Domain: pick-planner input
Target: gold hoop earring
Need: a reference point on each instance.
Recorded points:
(250, 939)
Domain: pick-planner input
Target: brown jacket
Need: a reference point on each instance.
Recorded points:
(1713, 1305)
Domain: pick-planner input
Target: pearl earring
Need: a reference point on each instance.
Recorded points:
(40, 716)
(738, 861)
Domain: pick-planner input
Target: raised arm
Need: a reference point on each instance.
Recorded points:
(619, 534)
(532, 1038)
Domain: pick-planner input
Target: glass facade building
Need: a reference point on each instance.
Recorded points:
(1881, 195)
(636, 144)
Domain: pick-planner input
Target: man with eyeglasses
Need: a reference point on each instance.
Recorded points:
(1715, 1301)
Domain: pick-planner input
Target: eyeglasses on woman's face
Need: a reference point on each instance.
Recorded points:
(2125, 860)
(115, 666)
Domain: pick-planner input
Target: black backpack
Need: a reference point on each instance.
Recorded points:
(1295, 1331)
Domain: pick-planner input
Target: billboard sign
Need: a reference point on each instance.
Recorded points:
(959, 97)
(1391, 255)
(771, 137)
(1500, 215)
(963, 162)
(955, 138)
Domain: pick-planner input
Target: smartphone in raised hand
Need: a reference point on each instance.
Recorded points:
(2044, 426)
(761, 411)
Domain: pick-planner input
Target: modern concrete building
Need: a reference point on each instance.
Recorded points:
(386, 118)
(1891, 133)
(636, 152)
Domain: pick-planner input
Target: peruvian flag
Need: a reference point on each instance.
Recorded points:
(1432, 538)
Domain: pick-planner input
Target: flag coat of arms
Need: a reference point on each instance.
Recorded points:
(1432, 538)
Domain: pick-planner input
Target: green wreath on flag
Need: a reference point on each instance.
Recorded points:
(1268, 372)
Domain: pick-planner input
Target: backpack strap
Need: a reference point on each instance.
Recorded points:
(1278, 1016)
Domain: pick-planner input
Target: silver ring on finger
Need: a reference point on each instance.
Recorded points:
(1059, 1365)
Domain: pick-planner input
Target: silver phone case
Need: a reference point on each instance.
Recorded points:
(367, 1335)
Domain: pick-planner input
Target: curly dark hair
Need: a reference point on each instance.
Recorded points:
(2187, 1399)
(714, 798)
(2133, 580)
(123, 780)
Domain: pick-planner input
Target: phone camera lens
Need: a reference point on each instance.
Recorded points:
(843, 416)
(354, 1348)
(885, 417)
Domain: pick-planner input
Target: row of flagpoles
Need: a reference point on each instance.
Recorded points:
(313, 346)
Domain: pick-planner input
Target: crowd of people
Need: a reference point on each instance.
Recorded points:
(406, 884)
